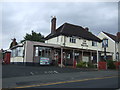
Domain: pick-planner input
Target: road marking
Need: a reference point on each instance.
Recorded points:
(65, 82)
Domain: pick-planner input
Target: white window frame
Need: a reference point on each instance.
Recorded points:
(72, 40)
(57, 39)
(94, 43)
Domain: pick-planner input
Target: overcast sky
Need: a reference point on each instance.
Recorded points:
(20, 18)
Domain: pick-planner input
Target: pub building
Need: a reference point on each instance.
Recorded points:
(63, 46)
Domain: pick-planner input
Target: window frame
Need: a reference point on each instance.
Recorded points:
(72, 40)
(94, 43)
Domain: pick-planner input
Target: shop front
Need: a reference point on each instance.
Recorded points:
(37, 53)
(42, 55)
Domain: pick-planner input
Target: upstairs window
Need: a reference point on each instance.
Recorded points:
(61, 39)
(94, 43)
(57, 39)
(72, 40)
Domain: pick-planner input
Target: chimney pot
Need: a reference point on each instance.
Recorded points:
(86, 28)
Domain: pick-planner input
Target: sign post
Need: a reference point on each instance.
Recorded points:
(105, 45)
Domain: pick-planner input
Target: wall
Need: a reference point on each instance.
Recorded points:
(61, 39)
(29, 48)
(28, 51)
(16, 59)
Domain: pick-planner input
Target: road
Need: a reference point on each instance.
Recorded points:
(55, 77)
(98, 83)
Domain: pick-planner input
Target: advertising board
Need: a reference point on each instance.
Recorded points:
(44, 61)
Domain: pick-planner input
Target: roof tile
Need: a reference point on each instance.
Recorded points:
(73, 30)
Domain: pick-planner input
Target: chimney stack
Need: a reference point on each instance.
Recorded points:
(13, 43)
(53, 24)
(118, 36)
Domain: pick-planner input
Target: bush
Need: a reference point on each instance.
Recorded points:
(110, 64)
(90, 65)
(81, 64)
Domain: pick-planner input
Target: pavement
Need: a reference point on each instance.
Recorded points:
(21, 76)
(20, 70)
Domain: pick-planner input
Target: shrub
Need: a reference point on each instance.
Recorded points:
(90, 65)
(110, 64)
(81, 64)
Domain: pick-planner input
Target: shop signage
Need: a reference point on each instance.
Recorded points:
(44, 61)
(84, 44)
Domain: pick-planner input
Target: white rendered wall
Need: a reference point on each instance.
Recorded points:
(62, 39)
(111, 45)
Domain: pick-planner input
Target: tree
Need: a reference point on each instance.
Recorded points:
(34, 37)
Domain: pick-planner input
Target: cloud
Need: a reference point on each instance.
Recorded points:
(20, 18)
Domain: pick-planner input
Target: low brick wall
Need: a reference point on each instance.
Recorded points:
(117, 64)
(102, 65)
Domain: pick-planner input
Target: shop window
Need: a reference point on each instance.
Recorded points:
(72, 40)
(76, 55)
(20, 51)
(68, 56)
(42, 52)
(36, 51)
(13, 53)
(17, 52)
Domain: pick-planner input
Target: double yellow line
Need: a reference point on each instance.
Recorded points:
(65, 82)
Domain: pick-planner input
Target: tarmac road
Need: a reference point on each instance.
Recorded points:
(15, 76)
(106, 82)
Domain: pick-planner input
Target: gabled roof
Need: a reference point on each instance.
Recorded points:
(73, 30)
(113, 37)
